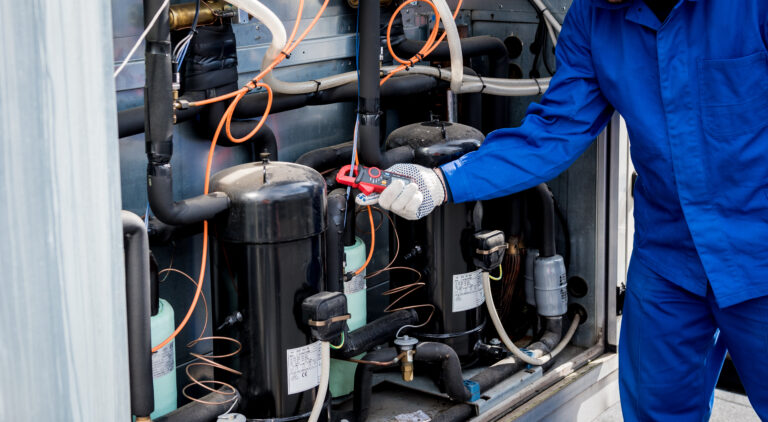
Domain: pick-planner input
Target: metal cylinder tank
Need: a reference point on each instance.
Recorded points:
(267, 257)
(439, 245)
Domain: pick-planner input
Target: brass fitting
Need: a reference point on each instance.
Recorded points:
(183, 14)
(407, 346)
(355, 3)
(406, 366)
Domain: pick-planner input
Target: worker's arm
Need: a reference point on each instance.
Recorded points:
(554, 133)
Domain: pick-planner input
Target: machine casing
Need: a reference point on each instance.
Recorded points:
(268, 255)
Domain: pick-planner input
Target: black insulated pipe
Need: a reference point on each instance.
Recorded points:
(137, 293)
(263, 141)
(334, 240)
(490, 377)
(368, 103)
(451, 378)
(326, 158)
(482, 45)
(364, 379)
(374, 333)
(131, 121)
(158, 121)
(200, 412)
(548, 244)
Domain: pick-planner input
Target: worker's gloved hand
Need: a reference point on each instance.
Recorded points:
(414, 200)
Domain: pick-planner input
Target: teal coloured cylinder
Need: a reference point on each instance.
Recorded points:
(163, 361)
(342, 380)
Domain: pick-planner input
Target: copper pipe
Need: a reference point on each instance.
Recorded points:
(183, 14)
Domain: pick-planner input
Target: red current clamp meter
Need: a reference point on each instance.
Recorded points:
(368, 179)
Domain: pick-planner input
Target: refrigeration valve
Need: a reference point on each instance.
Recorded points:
(406, 345)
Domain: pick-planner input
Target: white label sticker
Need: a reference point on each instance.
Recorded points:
(304, 368)
(417, 416)
(163, 361)
(467, 291)
(356, 284)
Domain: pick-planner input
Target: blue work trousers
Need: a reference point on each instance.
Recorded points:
(673, 344)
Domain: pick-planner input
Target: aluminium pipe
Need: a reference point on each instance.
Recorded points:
(137, 296)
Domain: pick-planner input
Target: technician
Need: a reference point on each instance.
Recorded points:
(690, 78)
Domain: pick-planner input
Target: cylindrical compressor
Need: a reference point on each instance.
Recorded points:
(268, 253)
(438, 245)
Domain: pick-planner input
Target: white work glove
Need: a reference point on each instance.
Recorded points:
(412, 201)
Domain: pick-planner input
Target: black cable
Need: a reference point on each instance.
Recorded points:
(539, 45)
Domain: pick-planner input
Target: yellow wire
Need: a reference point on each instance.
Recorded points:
(496, 278)
(340, 345)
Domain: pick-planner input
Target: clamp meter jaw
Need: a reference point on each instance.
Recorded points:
(368, 179)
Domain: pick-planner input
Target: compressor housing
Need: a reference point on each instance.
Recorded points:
(268, 257)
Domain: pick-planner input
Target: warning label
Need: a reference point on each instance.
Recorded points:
(163, 361)
(304, 367)
(467, 291)
(356, 284)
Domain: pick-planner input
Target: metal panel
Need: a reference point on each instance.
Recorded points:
(62, 311)
(580, 397)
(620, 219)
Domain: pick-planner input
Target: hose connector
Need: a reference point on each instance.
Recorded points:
(406, 345)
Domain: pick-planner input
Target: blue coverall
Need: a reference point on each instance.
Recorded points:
(694, 93)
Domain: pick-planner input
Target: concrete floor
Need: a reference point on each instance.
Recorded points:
(728, 407)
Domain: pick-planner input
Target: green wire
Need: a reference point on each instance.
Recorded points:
(340, 345)
(496, 278)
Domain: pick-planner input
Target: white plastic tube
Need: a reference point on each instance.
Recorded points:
(454, 45)
(256, 9)
(494, 86)
(325, 370)
(306, 87)
(553, 25)
(519, 354)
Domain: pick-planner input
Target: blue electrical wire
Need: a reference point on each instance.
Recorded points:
(192, 31)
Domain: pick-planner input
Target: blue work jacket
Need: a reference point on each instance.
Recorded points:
(694, 93)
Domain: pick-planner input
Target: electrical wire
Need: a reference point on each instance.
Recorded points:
(322, 390)
(188, 39)
(340, 344)
(519, 354)
(497, 278)
(226, 119)
(283, 54)
(141, 38)
(429, 46)
(373, 243)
